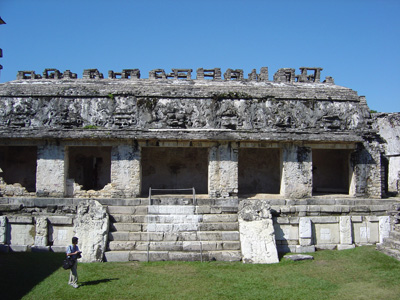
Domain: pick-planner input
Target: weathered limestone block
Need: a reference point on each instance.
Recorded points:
(91, 227)
(92, 74)
(209, 73)
(296, 171)
(50, 161)
(223, 170)
(384, 227)
(13, 190)
(126, 169)
(285, 75)
(388, 126)
(41, 237)
(367, 171)
(257, 235)
(346, 232)
(3, 229)
(299, 257)
(305, 231)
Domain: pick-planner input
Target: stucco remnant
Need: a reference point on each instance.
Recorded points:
(91, 227)
(257, 235)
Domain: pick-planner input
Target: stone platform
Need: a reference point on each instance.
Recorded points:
(175, 228)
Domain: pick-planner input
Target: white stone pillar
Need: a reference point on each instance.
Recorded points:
(296, 181)
(305, 236)
(384, 227)
(50, 171)
(367, 171)
(223, 170)
(346, 233)
(3, 229)
(41, 237)
(126, 175)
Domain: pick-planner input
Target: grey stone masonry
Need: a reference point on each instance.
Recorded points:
(235, 135)
(181, 231)
(296, 171)
(50, 161)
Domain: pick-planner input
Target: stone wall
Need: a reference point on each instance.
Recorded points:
(126, 170)
(318, 224)
(388, 126)
(296, 171)
(223, 170)
(56, 112)
(29, 224)
(50, 161)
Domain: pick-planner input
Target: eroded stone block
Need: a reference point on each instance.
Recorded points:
(257, 234)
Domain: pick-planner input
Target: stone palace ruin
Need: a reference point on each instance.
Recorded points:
(220, 167)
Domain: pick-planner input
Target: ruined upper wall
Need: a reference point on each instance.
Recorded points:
(291, 107)
(285, 85)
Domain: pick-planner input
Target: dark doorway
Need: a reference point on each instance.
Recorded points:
(259, 171)
(175, 168)
(19, 165)
(330, 171)
(90, 166)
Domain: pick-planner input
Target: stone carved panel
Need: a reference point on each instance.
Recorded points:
(41, 232)
(225, 111)
(257, 235)
(91, 227)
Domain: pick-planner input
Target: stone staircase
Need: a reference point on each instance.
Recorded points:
(174, 229)
(391, 244)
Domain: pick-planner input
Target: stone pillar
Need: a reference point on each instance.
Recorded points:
(50, 171)
(367, 171)
(296, 178)
(126, 175)
(3, 230)
(41, 237)
(384, 227)
(305, 236)
(223, 170)
(346, 233)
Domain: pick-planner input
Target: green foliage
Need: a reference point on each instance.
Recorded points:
(111, 96)
(148, 103)
(361, 273)
(231, 95)
(372, 111)
(90, 127)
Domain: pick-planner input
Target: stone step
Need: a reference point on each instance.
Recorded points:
(130, 210)
(395, 234)
(144, 227)
(232, 226)
(198, 202)
(131, 227)
(173, 246)
(230, 256)
(172, 218)
(172, 210)
(388, 251)
(174, 236)
(391, 243)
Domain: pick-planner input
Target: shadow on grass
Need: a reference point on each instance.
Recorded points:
(94, 282)
(20, 272)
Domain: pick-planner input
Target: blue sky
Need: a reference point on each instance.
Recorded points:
(357, 42)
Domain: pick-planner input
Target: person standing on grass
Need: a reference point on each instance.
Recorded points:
(74, 253)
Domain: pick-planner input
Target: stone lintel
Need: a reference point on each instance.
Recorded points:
(60, 220)
(18, 219)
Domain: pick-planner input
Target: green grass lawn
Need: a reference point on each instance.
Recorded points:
(361, 273)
